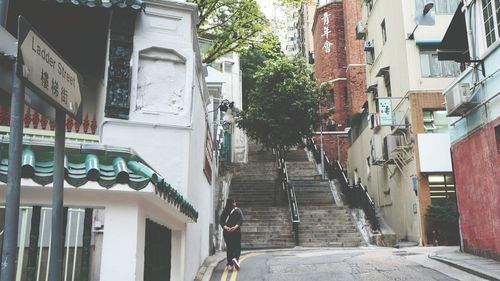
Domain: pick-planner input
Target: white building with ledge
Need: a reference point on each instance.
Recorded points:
(138, 174)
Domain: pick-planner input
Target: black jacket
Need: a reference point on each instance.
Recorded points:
(235, 218)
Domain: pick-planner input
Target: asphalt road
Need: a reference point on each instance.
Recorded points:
(371, 263)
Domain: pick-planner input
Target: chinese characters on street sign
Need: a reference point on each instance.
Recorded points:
(327, 45)
(46, 72)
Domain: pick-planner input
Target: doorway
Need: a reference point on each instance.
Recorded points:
(157, 252)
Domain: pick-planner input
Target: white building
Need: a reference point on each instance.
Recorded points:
(401, 132)
(146, 137)
(283, 19)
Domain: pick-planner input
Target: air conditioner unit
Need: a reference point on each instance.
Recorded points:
(377, 152)
(458, 100)
(391, 142)
(368, 45)
(360, 31)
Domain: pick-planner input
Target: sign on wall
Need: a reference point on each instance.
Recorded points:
(327, 45)
(46, 72)
(385, 108)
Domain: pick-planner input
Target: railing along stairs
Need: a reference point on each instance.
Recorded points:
(289, 189)
(355, 195)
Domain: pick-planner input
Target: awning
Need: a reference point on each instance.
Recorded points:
(455, 45)
(134, 4)
(372, 88)
(106, 165)
(383, 72)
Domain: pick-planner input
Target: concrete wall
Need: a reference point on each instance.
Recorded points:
(475, 143)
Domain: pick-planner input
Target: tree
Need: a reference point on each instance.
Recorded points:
(253, 59)
(283, 107)
(230, 25)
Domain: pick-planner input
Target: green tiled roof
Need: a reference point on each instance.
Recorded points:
(103, 164)
(134, 4)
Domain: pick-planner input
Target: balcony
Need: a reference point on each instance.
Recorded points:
(38, 125)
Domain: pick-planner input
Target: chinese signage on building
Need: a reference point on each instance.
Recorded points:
(327, 45)
(385, 108)
(46, 72)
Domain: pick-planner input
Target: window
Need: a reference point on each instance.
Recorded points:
(330, 99)
(491, 17)
(442, 188)
(384, 32)
(435, 121)
(387, 80)
(346, 97)
(440, 6)
(430, 66)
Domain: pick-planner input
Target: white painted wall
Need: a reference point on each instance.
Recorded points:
(125, 213)
(232, 91)
(167, 122)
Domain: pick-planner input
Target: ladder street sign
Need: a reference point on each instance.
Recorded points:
(46, 72)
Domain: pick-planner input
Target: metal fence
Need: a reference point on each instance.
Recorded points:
(34, 245)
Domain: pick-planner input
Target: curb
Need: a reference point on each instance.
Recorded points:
(207, 269)
(464, 268)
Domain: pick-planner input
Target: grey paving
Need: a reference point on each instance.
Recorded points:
(365, 263)
(486, 268)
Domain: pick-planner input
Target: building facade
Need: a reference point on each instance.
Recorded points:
(339, 70)
(142, 155)
(473, 107)
(400, 132)
(283, 20)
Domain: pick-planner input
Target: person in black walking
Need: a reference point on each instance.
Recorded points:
(231, 220)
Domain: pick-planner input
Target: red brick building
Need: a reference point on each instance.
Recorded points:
(339, 62)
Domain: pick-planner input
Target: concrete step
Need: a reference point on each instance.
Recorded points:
(296, 155)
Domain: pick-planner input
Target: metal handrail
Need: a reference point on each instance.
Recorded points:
(356, 195)
(289, 189)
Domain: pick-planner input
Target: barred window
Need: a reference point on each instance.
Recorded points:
(491, 17)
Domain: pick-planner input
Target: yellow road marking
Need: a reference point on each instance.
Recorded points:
(235, 272)
(224, 274)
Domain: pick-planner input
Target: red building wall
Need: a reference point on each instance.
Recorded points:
(344, 65)
(476, 161)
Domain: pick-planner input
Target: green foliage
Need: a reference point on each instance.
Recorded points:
(442, 223)
(283, 107)
(253, 58)
(230, 25)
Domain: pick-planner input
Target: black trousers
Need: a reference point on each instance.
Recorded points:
(233, 245)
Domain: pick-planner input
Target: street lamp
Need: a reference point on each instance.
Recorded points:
(426, 18)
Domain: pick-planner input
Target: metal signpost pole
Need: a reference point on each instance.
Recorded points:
(56, 242)
(4, 8)
(9, 252)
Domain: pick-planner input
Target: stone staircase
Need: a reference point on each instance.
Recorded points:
(322, 223)
(255, 187)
